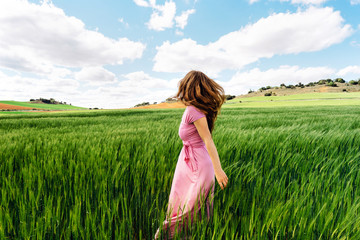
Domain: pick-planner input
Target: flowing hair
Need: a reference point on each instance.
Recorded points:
(202, 92)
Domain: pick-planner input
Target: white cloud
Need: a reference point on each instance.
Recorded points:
(349, 70)
(162, 16)
(23, 88)
(142, 3)
(179, 33)
(282, 33)
(41, 38)
(143, 80)
(355, 44)
(354, 2)
(181, 21)
(121, 20)
(137, 87)
(241, 82)
(95, 74)
(253, 1)
(307, 2)
(185, 55)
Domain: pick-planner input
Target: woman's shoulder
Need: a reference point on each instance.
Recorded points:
(194, 113)
(193, 108)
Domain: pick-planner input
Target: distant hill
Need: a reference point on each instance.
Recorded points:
(323, 92)
(34, 105)
(163, 105)
(322, 86)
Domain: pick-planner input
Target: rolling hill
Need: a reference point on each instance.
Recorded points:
(15, 105)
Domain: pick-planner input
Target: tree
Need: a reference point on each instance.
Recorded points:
(310, 84)
(140, 104)
(353, 82)
(262, 88)
(290, 86)
(268, 87)
(340, 80)
(331, 84)
(300, 85)
(229, 97)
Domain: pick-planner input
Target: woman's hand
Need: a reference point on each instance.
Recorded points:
(221, 178)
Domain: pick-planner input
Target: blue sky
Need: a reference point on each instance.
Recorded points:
(115, 54)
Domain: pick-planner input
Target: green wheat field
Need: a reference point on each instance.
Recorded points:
(293, 173)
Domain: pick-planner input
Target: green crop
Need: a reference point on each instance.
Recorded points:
(293, 174)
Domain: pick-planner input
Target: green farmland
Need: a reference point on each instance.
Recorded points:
(42, 106)
(294, 173)
(306, 99)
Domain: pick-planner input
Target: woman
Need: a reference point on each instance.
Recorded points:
(193, 183)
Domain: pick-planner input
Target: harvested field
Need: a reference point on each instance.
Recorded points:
(4, 106)
(164, 105)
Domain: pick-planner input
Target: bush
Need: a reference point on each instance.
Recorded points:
(250, 91)
(299, 85)
(331, 84)
(340, 80)
(268, 94)
(170, 99)
(290, 86)
(344, 90)
(353, 82)
(322, 81)
(268, 87)
(229, 97)
(140, 104)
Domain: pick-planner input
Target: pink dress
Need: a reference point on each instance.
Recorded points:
(193, 178)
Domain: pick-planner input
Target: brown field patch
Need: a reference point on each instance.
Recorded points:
(163, 105)
(324, 89)
(4, 106)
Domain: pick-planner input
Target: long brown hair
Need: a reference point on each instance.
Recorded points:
(202, 92)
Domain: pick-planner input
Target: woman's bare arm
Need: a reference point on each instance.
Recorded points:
(203, 130)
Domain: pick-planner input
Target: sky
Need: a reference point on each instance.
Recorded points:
(115, 54)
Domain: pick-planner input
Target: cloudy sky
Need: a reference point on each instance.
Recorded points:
(115, 54)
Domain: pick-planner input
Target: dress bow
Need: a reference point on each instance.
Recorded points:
(189, 156)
